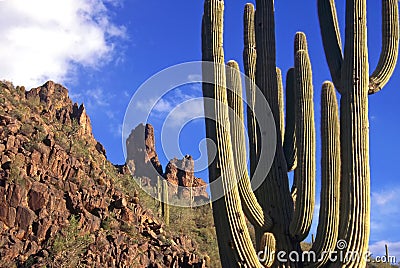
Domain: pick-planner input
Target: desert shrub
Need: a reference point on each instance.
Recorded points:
(27, 129)
(16, 167)
(68, 246)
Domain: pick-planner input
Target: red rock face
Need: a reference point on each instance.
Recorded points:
(181, 173)
(142, 157)
(44, 181)
(142, 160)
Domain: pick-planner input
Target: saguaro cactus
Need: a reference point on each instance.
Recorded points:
(327, 231)
(165, 204)
(234, 242)
(351, 76)
(304, 174)
(283, 218)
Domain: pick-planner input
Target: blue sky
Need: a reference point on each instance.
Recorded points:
(103, 50)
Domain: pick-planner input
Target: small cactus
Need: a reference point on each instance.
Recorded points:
(165, 204)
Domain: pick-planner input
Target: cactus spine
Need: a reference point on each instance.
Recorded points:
(280, 103)
(387, 254)
(162, 197)
(268, 244)
(272, 194)
(289, 143)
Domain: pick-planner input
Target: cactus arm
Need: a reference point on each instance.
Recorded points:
(234, 241)
(328, 224)
(249, 60)
(289, 142)
(273, 193)
(300, 42)
(390, 46)
(251, 208)
(304, 175)
(280, 103)
(354, 220)
(268, 245)
(331, 39)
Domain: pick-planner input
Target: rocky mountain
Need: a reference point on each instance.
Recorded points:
(63, 204)
(142, 160)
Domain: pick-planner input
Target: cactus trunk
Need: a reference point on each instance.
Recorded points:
(165, 204)
(355, 175)
(272, 194)
(234, 241)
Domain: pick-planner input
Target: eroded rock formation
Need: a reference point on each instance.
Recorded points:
(181, 173)
(52, 171)
(142, 160)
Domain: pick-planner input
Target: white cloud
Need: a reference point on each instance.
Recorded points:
(385, 211)
(97, 97)
(194, 77)
(383, 198)
(378, 249)
(47, 39)
(178, 104)
(93, 98)
(184, 112)
(163, 106)
(116, 130)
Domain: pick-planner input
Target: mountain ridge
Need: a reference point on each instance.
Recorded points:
(62, 203)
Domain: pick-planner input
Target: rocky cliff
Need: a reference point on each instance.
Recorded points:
(142, 160)
(181, 173)
(62, 204)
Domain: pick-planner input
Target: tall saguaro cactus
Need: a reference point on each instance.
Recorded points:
(304, 174)
(282, 218)
(233, 237)
(165, 204)
(327, 231)
(350, 74)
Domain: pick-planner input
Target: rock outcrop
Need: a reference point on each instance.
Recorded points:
(181, 173)
(142, 158)
(142, 161)
(62, 204)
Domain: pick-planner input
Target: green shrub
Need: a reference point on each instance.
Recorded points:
(68, 246)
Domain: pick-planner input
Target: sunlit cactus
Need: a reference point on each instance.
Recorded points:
(304, 174)
(234, 243)
(350, 74)
(165, 204)
(328, 223)
(251, 208)
(282, 218)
